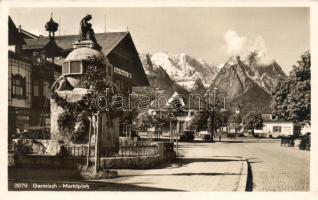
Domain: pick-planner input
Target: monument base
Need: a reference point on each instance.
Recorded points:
(86, 43)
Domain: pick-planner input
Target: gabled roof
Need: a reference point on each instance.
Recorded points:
(27, 35)
(38, 43)
(14, 35)
(107, 41)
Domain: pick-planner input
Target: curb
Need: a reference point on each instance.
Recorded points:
(244, 174)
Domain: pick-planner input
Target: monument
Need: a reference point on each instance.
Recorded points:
(75, 119)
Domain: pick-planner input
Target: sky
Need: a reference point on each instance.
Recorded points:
(210, 33)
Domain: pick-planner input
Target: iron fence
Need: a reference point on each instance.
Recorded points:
(121, 151)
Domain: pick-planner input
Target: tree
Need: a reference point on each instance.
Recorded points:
(199, 121)
(253, 120)
(237, 120)
(291, 97)
(222, 119)
(172, 110)
(144, 121)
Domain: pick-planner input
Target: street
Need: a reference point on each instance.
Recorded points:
(218, 166)
(274, 168)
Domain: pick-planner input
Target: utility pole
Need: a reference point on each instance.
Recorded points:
(171, 139)
(105, 22)
(60, 26)
(177, 141)
(213, 115)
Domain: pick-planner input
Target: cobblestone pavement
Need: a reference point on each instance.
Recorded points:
(274, 168)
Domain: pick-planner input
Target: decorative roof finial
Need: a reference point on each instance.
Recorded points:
(51, 26)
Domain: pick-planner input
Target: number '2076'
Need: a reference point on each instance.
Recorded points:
(20, 185)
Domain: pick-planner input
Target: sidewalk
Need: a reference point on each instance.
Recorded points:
(197, 170)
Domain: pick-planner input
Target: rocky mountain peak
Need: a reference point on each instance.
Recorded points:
(182, 67)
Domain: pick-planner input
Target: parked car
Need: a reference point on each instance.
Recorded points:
(287, 141)
(305, 143)
(205, 135)
(231, 135)
(187, 136)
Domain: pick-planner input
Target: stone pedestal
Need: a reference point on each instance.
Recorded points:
(83, 43)
(69, 96)
(86, 43)
(109, 136)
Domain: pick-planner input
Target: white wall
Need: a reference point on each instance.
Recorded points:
(287, 128)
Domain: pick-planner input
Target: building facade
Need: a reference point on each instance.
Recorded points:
(46, 56)
(19, 91)
(19, 83)
(30, 76)
(273, 127)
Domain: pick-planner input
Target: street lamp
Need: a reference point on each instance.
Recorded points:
(211, 119)
(213, 114)
(224, 108)
(157, 115)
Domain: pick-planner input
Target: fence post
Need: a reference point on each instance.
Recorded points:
(89, 143)
(97, 143)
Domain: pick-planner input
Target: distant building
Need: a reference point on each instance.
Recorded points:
(275, 127)
(190, 104)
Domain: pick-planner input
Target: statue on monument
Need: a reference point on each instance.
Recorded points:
(86, 31)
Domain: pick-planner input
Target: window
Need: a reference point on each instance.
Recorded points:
(18, 86)
(72, 67)
(277, 129)
(75, 67)
(36, 88)
(66, 68)
(46, 87)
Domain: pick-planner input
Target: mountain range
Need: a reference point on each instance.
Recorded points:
(183, 69)
(246, 82)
